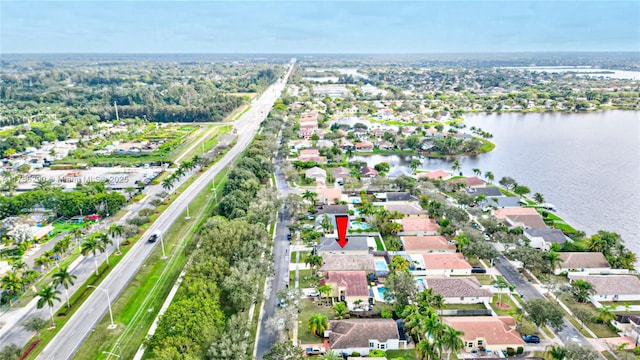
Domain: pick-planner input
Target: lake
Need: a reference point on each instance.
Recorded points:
(586, 164)
(583, 70)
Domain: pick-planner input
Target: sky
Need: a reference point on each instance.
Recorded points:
(297, 27)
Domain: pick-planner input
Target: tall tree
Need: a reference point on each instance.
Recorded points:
(476, 172)
(489, 176)
(318, 324)
(47, 296)
(94, 246)
(116, 231)
(544, 312)
(455, 166)
(582, 290)
(65, 278)
(35, 324)
(554, 260)
(538, 198)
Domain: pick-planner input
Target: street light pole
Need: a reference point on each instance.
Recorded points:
(112, 325)
(164, 256)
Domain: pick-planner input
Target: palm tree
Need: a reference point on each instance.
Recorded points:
(463, 240)
(582, 290)
(489, 176)
(92, 245)
(167, 183)
(558, 352)
(554, 260)
(538, 198)
(427, 350)
(413, 322)
(64, 278)
(398, 264)
(596, 243)
(340, 309)
(415, 163)
(318, 324)
(314, 261)
(47, 297)
(309, 196)
(476, 171)
(77, 234)
(105, 241)
(18, 265)
(432, 325)
(42, 262)
(606, 314)
(116, 232)
(63, 244)
(12, 283)
(455, 166)
(35, 324)
(325, 290)
(179, 172)
(501, 283)
(43, 184)
(394, 227)
(451, 340)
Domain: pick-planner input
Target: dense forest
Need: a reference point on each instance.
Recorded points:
(156, 91)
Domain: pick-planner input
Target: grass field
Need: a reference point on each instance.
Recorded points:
(408, 354)
(307, 308)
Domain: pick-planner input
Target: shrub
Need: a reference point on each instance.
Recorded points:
(386, 314)
(637, 350)
(510, 351)
(355, 354)
(520, 350)
(146, 212)
(156, 202)
(138, 220)
(378, 353)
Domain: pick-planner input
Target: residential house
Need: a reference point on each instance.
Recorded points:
(543, 238)
(499, 202)
(316, 173)
(409, 210)
(312, 154)
(363, 335)
(332, 209)
(351, 287)
(584, 262)
(329, 195)
(434, 175)
(469, 182)
(384, 145)
(459, 290)
(612, 287)
(427, 244)
(347, 262)
(399, 197)
(324, 143)
(446, 264)
(341, 173)
(368, 172)
(527, 218)
(356, 245)
(419, 226)
(364, 146)
(486, 333)
(489, 191)
(377, 133)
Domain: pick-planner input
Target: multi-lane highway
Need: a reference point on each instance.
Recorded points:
(67, 341)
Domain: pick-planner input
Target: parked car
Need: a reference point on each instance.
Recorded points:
(289, 236)
(315, 351)
(477, 270)
(531, 339)
(282, 303)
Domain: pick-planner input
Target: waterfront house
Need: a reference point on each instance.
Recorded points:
(459, 290)
(486, 334)
(368, 172)
(434, 175)
(543, 238)
(583, 262)
(612, 287)
(469, 182)
(364, 146)
(363, 335)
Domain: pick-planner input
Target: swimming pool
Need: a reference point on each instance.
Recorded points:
(358, 225)
(381, 292)
(381, 265)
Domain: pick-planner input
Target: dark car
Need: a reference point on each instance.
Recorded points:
(477, 270)
(289, 236)
(531, 339)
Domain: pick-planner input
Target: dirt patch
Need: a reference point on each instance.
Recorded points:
(503, 305)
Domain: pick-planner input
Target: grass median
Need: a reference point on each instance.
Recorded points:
(138, 305)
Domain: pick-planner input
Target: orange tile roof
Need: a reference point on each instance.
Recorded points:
(496, 330)
(445, 261)
(434, 175)
(355, 282)
(502, 214)
(426, 243)
(419, 224)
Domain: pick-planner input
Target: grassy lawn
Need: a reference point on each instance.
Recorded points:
(303, 254)
(506, 299)
(402, 354)
(484, 279)
(473, 261)
(137, 306)
(68, 226)
(306, 279)
(464, 307)
(379, 244)
(620, 303)
(600, 330)
(307, 308)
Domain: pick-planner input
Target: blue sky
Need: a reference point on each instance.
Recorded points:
(317, 26)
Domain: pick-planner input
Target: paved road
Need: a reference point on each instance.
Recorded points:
(67, 341)
(265, 336)
(569, 334)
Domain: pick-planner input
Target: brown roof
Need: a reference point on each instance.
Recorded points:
(457, 287)
(583, 260)
(502, 214)
(341, 172)
(368, 170)
(355, 282)
(426, 243)
(329, 194)
(496, 330)
(356, 333)
(612, 284)
(445, 261)
(341, 262)
(419, 225)
(405, 209)
(529, 221)
(469, 181)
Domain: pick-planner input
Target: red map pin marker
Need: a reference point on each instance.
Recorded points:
(342, 223)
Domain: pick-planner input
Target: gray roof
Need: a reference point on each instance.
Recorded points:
(399, 196)
(502, 201)
(489, 191)
(457, 287)
(549, 235)
(355, 243)
(332, 209)
(356, 333)
(612, 284)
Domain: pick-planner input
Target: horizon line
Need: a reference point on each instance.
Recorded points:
(331, 53)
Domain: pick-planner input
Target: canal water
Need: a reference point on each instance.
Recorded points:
(586, 164)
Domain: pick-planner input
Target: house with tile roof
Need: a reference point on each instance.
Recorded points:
(419, 227)
(543, 238)
(347, 262)
(427, 244)
(612, 287)
(408, 209)
(486, 333)
(583, 262)
(446, 264)
(459, 290)
(363, 335)
(349, 286)
(434, 175)
(469, 182)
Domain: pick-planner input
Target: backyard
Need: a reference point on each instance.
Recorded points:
(308, 307)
